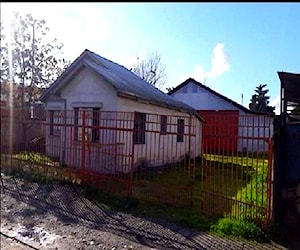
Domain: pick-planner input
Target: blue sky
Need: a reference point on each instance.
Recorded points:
(231, 47)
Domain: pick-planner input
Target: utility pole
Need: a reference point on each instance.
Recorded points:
(242, 98)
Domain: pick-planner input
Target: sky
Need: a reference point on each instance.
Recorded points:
(230, 47)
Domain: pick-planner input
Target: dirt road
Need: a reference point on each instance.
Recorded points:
(56, 216)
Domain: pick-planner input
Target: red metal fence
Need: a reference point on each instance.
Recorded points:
(236, 169)
(222, 170)
(148, 156)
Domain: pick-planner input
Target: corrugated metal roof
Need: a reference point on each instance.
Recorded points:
(129, 83)
(125, 82)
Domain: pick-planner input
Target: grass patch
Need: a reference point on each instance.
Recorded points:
(156, 194)
(250, 191)
(36, 167)
(173, 186)
(184, 216)
(33, 157)
(32, 176)
(239, 228)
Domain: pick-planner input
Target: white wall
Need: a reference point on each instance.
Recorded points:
(201, 99)
(87, 89)
(113, 150)
(255, 132)
(160, 149)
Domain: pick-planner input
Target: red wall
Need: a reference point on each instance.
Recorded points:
(220, 131)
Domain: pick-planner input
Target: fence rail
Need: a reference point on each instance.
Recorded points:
(128, 153)
(220, 167)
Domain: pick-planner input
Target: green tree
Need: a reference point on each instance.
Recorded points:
(151, 69)
(36, 61)
(260, 101)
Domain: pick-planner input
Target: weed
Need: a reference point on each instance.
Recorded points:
(33, 176)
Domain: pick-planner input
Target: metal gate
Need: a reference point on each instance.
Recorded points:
(236, 169)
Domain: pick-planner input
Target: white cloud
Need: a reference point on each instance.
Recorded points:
(219, 62)
(219, 65)
(276, 102)
(78, 26)
(128, 62)
(198, 74)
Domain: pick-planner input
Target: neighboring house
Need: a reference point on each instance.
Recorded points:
(19, 125)
(17, 91)
(234, 126)
(33, 108)
(104, 116)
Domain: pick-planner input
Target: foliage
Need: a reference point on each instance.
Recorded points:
(151, 69)
(239, 228)
(35, 60)
(259, 101)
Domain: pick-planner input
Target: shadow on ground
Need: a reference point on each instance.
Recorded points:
(70, 206)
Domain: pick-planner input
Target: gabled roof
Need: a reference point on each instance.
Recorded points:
(123, 80)
(237, 105)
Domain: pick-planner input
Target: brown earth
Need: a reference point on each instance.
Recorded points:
(59, 216)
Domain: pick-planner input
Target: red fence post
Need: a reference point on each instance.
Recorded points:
(132, 157)
(83, 146)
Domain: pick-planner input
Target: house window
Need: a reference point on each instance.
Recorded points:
(54, 122)
(51, 121)
(163, 124)
(96, 124)
(92, 123)
(180, 130)
(139, 128)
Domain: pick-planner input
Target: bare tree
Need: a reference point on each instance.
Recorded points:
(151, 69)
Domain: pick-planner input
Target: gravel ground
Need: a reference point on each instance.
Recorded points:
(57, 216)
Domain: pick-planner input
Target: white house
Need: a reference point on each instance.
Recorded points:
(226, 118)
(103, 117)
